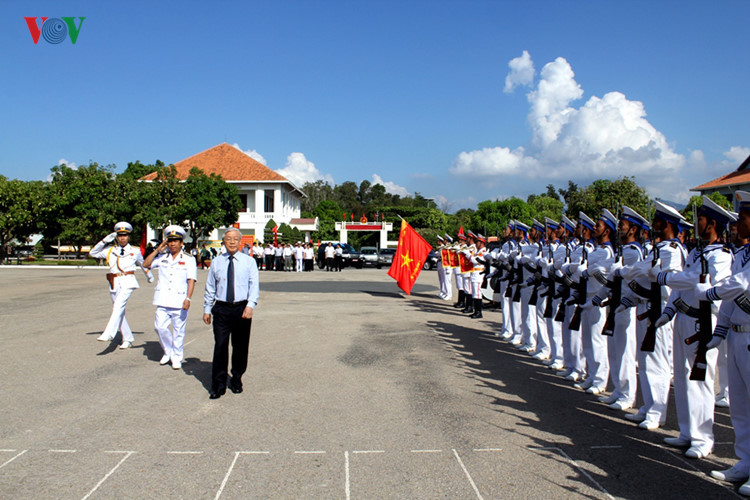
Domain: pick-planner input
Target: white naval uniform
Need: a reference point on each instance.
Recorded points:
(593, 319)
(655, 368)
(169, 296)
(298, 256)
(507, 304)
(734, 323)
(441, 271)
(554, 328)
(122, 261)
(694, 399)
(623, 346)
(576, 336)
(544, 345)
(570, 347)
(446, 285)
(527, 251)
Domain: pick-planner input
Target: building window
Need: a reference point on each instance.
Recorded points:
(268, 204)
(243, 201)
(251, 202)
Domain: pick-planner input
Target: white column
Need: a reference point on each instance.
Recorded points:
(260, 197)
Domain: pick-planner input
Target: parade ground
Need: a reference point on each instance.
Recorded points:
(353, 391)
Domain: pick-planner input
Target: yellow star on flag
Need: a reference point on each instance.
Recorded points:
(405, 260)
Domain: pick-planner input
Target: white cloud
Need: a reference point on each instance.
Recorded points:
(300, 170)
(521, 72)
(69, 164)
(390, 187)
(605, 137)
(252, 154)
(737, 154)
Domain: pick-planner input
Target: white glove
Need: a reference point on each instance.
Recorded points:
(615, 266)
(149, 276)
(714, 342)
(110, 238)
(663, 320)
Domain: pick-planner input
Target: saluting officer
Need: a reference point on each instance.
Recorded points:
(177, 276)
(122, 260)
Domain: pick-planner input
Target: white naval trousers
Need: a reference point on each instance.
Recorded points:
(554, 332)
(117, 319)
(459, 279)
(595, 345)
(654, 370)
(299, 265)
(528, 318)
(693, 399)
(447, 284)
(476, 278)
(171, 340)
(622, 351)
(506, 329)
(738, 369)
(542, 338)
(441, 278)
(722, 371)
(573, 353)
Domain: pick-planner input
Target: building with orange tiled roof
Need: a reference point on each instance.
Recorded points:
(265, 194)
(737, 180)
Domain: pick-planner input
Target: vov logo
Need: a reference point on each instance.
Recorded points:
(54, 29)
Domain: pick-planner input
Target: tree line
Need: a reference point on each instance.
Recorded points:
(77, 206)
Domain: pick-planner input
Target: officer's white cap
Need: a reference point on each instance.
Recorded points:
(711, 209)
(174, 231)
(609, 219)
(123, 227)
(634, 217)
(585, 220)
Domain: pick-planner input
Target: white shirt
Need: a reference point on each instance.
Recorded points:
(172, 288)
(120, 260)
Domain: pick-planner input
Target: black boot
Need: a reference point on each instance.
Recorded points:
(469, 309)
(477, 309)
(460, 302)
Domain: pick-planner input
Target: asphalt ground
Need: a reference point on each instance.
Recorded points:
(353, 391)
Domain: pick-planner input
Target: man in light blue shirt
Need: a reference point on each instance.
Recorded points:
(231, 295)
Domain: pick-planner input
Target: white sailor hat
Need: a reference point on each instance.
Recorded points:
(669, 214)
(609, 219)
(123, 227)
(448, 238)
(174, 231)
(440, 238)
(523, 227)
(743, 199)
(711, 209)
(633, 217)
(551, 223)
(537, 225)
(735, 215)
(585, 220)
(568, 224)
(470, 234)
(481, 238)
(511, 224)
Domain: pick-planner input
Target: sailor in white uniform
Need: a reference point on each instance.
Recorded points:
(122, 259)
(177, 276)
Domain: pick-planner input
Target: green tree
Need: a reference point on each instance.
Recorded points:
(697, 201)
(135, 170)
(316, 192)
(81, 204)
(546, 206)
(207, 202)
(161, 199)
(327, 212)
(608, 194)
(21, 209)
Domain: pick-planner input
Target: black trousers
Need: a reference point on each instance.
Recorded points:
(229, 326)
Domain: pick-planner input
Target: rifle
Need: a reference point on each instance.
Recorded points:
(550, 279)
(511, 276)
(582, 290)
(534, 298)
(616, 286)
(705, 329)
(518, 281)
(654, 308)
(564, 292)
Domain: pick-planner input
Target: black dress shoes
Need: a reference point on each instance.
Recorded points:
(216, 394)
(235, 390)
(235, 385)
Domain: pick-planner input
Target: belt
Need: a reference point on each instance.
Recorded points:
(231, 303)
(639, 289)
(741, 328)
(684, 308)
(124, 274)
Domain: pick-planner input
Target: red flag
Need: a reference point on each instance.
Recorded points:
(410, 255)
(143, 241)
(275, 229)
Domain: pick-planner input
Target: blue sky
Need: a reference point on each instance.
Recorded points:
(418, 95)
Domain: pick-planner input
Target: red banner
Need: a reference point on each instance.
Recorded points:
(411, 253)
